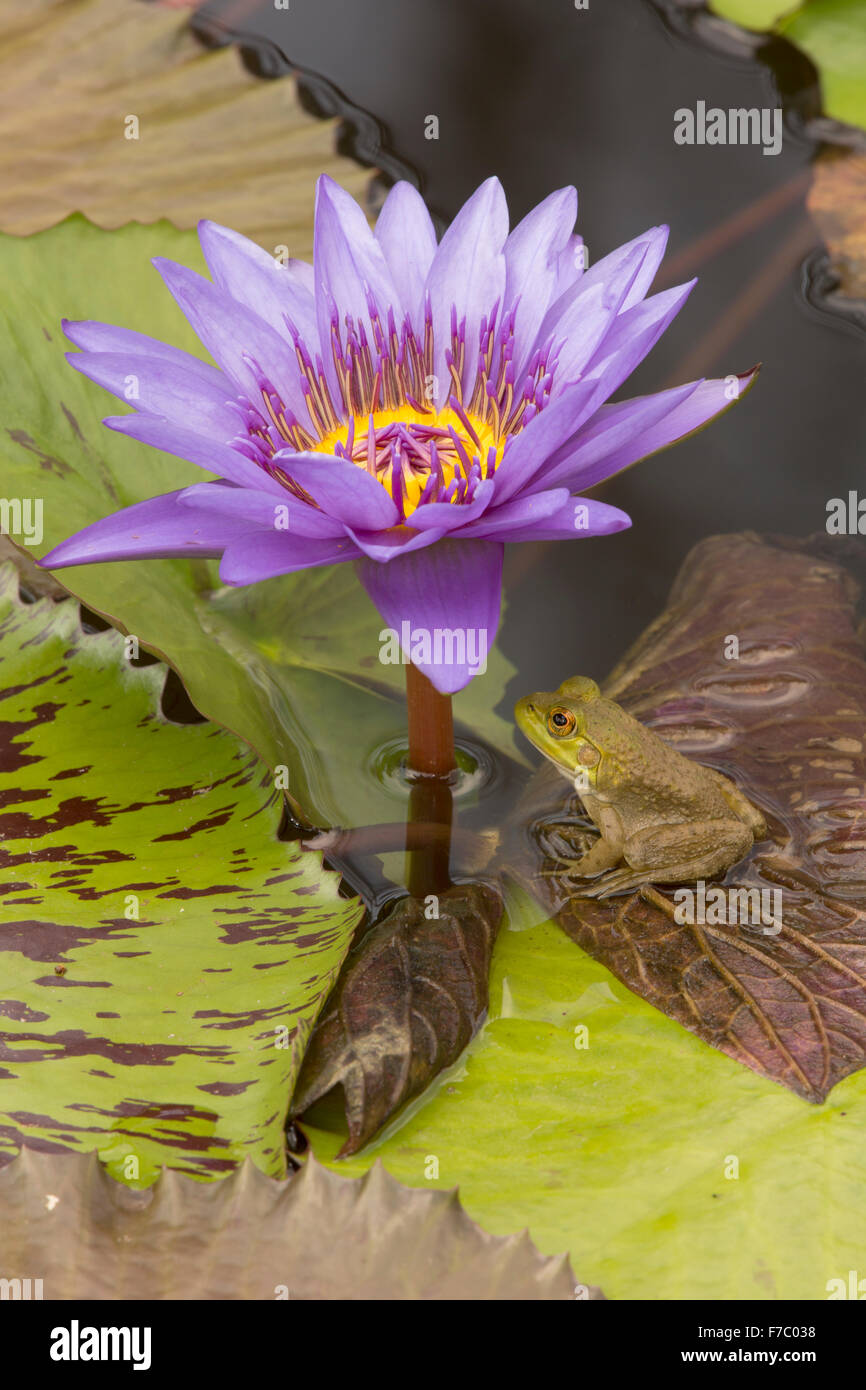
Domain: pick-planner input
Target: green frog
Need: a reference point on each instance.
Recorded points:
(662, 817)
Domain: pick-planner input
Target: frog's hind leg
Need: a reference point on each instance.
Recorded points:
(741, 806)
(676, 854)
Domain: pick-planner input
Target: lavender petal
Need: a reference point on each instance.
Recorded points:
(454, 587)
(258, 555)
(405, 232)
(158, 528)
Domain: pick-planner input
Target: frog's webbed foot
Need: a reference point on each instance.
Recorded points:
(565, 840)
(599, 858)
(569, 869)
(618, 881)
(563, 845)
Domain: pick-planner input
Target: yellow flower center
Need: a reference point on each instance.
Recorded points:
(438, 455)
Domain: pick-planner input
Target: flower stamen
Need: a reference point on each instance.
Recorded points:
(376, 409)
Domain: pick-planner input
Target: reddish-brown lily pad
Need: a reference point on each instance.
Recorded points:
(786, 719)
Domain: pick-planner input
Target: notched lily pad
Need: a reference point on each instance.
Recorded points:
(785, 991)
(164, 955)
(315, 1236)
(410, 997)
(113, 108)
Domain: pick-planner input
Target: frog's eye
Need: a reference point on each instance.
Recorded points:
(560, 722)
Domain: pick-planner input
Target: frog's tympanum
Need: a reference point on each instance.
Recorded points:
(662, 817)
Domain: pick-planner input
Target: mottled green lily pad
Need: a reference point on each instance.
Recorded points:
(164, 955)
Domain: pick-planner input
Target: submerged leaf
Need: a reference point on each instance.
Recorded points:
(784, 991)
(164, 955)
(112, 108)
(410, 997)
(837, 201)
(315, 1236)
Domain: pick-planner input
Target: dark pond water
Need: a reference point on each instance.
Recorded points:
(544, 94)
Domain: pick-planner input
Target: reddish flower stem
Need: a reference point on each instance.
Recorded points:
(431, 754)
(431, 726)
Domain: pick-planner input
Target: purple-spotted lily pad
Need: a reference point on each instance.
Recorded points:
(163, 956)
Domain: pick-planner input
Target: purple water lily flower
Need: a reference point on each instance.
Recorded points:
(406, 405)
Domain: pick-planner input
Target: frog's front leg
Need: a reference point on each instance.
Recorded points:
(601, 856)
(680, 853)
(608, 849)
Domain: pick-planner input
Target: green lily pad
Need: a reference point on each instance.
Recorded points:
(760, 15)
(831, 32)
(164, 955)
(291, 665)
(665, 1169)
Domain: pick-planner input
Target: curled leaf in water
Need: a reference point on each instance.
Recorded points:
(409, 999)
